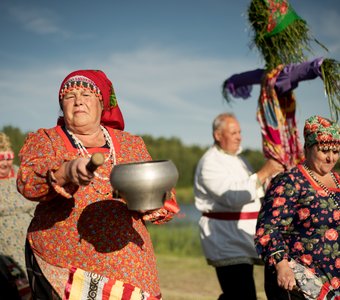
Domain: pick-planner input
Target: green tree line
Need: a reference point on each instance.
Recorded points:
(17, 138)
(185, 157)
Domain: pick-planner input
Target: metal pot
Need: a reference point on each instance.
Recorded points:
(143, 185)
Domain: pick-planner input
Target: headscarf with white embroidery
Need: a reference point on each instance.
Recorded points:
(97, 82)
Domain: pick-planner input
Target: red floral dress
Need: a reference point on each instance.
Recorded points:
(92, 231)
(298, 220)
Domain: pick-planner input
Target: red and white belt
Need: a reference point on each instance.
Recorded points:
(232, 216)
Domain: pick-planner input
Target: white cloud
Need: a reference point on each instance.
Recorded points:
(173, 80)
(161, 93)
(37, 20)
(179, 92)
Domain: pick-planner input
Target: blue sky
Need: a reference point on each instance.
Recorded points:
(166, 59)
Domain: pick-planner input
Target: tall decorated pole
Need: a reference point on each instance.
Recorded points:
(283, 39)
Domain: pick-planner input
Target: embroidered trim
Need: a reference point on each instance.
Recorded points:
(83, 285)
(59, 189)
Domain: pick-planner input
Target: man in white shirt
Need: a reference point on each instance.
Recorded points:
(228, 195)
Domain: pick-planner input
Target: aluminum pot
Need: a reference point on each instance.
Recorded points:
(143, 185)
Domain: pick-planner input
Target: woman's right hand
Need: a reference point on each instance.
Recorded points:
(271, 168)
(285, 275)
(77, 173)
(74, 171)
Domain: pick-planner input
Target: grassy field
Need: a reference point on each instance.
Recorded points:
(183, 271)
(190, 278)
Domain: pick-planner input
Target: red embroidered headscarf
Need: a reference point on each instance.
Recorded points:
(97, 82)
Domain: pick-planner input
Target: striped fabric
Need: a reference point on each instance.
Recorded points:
(84, 285)
(278, 125)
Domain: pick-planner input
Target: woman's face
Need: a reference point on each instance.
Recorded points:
(82, 110)
(5, 167)
(321, 161)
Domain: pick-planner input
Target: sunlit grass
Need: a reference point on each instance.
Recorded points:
(176, 239)
(185, 195)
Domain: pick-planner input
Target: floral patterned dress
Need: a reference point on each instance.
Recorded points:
(299, 220)
(16, 214)
(92, 230)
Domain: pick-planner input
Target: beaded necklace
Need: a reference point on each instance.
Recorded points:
(84, 153)
(325, 188)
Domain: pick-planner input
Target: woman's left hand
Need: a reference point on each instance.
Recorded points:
(285, 275)
(165, 213)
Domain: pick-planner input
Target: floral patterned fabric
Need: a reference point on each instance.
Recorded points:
(276, 116)
(298, 220)
(308, 282)
(322, 131)
(281, 15)
(15, 216)
(93, 230)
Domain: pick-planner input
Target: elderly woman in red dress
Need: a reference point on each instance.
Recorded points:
(83, 240)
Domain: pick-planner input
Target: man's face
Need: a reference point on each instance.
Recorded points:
(229, 135)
